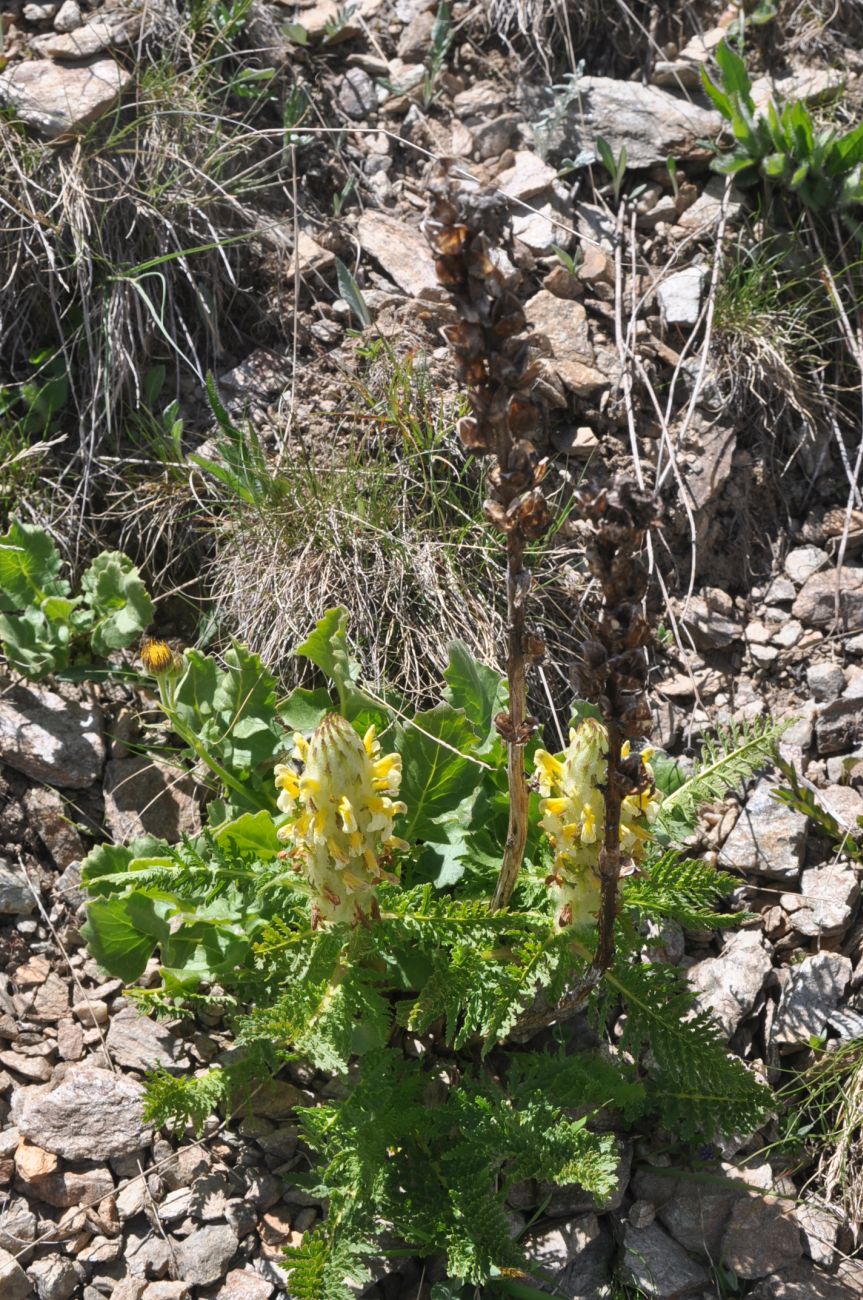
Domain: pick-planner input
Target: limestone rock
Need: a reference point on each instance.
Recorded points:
(704, 212)
(68, 17)
(650, 122)
(826, 902)
(803, 561)
(143, 797)
(58, 98)
(816, 601)
(825, 681)
(16, 897)
(244, 1284)
(696, 1214)
(46, 737)
(527, 177)
(14, 1282)
(654, 1262)
(679, 296)
(803, 1281)
(138, 1043)
(814, 989)
(768, 838)
(94, 37)
(203, 1257)
(839, 725)
(761, 1237)
(729, 985)
(54, 825)
(820, 1225)
(93, 1115)
(55, 1278)
(563, 324)
(400, 249)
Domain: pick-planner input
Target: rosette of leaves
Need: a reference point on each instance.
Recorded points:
(43, 627)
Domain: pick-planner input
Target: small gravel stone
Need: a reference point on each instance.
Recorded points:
(654, 1262)
(729, 985)
(802, 562)
(14, 1282)
(68, 17)
(825, 681)
(204, 1256)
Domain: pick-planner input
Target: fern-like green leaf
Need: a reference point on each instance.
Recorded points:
(695, 1085)
(733, 755)
(684, 890)
(322, 1266)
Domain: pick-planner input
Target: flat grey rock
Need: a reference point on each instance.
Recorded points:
(650, 122)
(93, 1115)
(728, 986)
(655, 1262)
(58, 98)
(768, 838)
(813, 991)
(49, 738)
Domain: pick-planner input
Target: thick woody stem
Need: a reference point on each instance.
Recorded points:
(516, 837)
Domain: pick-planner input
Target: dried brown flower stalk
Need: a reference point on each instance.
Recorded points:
(613, 670)
(463, 227)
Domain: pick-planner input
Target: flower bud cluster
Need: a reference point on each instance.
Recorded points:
(342, 809)
(573, 817)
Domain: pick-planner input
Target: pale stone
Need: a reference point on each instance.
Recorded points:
(400, 249)
(58, 98)
(768, 838)
(814, 989)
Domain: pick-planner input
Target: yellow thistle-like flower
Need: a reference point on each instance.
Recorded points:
(158, 658)
(342, 809)
(573, 817)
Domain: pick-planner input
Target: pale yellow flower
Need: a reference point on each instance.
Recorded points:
(573, 817)
(343, 812)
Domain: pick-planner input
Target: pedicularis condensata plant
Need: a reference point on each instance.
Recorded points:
(399, 898)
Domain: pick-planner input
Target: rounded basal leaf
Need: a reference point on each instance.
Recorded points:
(29, 566)
(119, 600)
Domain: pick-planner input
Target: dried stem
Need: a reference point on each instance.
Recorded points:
(463, 228)
(517, 580)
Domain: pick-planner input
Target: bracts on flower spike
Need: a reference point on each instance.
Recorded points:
(463, 229)
(612, 672)
(342, 808)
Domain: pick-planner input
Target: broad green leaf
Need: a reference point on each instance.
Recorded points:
(114, 940)
(34, 645)
(846, 152)
(254, 832)
(479, 691)
(114, 591)
(327, 648)
(327, 645)
(30, 565)
(231, 709)
(775, 165)
(112, 859)
(305, 710)
(435, 775)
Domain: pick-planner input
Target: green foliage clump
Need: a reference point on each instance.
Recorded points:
(415, 1006)
(822, 166)
(43, 627)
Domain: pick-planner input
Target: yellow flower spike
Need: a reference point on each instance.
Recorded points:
(344, 822)
(573, 818)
